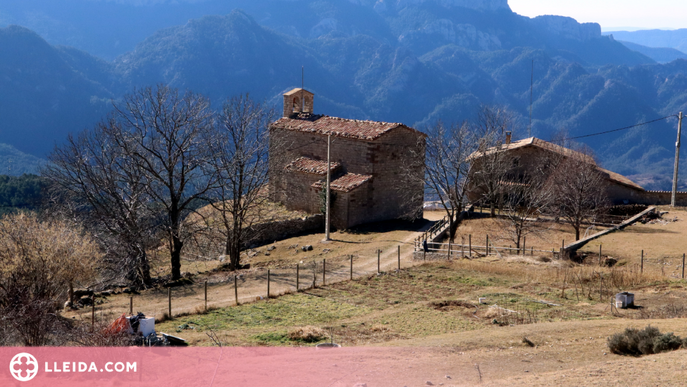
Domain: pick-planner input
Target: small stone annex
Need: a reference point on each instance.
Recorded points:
(376, 168)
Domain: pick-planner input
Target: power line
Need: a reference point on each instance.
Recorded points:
(619, 129)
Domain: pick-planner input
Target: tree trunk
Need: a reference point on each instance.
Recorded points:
(71, 293)
(453, 228)
(177, 244)
(492, 210)
(144, 269)
(233, 251)
(577, 233)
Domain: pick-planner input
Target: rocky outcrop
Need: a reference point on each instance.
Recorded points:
(480, 5)
(444, 30)
(568, 27)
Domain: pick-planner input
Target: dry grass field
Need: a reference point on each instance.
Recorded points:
(562, 308)
(664, 242)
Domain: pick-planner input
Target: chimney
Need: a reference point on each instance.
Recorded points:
(508, 137)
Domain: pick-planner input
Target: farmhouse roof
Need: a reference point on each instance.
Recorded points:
(618, 178)
(339, 127)
(539, 143)
(533, 141)
(345, 183)
(308, 165)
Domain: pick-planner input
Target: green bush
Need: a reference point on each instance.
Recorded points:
(635, 342)
(667, 342)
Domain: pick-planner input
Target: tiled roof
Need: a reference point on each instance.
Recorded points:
(308, 165)
(618, 178)
(297, 90)
(345, 183)
(533, 141)
(339, 127)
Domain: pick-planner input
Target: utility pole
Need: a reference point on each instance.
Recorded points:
(329, 177)
(302, 88)
(677, 160)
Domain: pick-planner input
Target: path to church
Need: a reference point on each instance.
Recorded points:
(252, 286)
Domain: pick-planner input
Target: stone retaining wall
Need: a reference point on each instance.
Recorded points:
(269, 232)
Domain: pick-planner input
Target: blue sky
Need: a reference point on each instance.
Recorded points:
(611, 14)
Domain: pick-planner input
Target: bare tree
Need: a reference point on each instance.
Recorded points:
(578, 188)
(38, 262)
(492, 161)
(164, 138)
(524, 200)
(98, 183)
(447, 168)
(239, 148)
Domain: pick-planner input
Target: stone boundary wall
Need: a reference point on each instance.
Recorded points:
(265, 233)
(662, 198)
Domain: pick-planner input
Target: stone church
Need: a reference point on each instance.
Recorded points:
(376, 167)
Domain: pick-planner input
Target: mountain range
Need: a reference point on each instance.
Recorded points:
(411, 61)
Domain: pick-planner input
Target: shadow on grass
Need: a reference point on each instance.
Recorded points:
(390, 225)
(646, 230)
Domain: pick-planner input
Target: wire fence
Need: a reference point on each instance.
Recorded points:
(223, 289)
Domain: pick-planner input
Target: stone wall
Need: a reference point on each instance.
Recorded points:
(384, 197)
(299, 194)
(662, 198)
(269, 232)
(527, 158)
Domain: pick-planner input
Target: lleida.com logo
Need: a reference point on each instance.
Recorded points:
(24, 367)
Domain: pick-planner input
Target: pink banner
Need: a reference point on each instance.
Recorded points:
(228, 366)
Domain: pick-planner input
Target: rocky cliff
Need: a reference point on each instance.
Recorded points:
(480, 5)
(568, 27)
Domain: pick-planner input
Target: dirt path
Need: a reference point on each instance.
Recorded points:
(252, 285)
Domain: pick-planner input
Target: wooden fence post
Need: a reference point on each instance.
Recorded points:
(448, 255)
(298, 277)
(236, 289)
(324, 272)
(378, 260)
(524, 245)
(268, 283)
(131, 305)
(399, 257)
(600, 255)
(487, 244)
(169, 298)
(470, 245)
(314, 275)
(351, 267)
(206, 296)
(641, 268)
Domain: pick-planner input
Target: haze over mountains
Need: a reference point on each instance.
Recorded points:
(413, 61)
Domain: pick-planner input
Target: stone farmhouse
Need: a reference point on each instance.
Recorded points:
(532, 152)
(370, 165)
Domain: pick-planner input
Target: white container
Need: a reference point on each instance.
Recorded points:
(624, 300)
(147, 326)
(482, 300)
